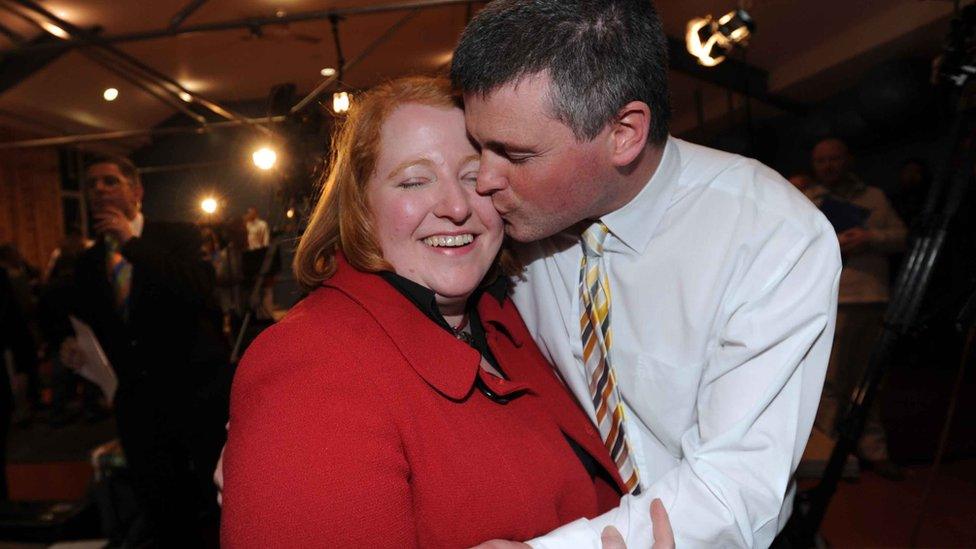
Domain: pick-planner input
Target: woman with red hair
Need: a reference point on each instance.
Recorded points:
(403, 402)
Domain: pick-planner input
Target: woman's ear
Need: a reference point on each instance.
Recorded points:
(629, 132)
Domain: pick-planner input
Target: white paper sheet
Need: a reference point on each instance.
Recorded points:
(96, 367)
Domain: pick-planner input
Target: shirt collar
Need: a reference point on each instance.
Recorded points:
(137, 223)
(450, 366)
(636, 221)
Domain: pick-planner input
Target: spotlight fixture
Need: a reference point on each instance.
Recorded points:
(290, 213)
(340, 102)
(55, 30)
(264, 158)
(328, 71)
(185, 97)
(110, 94)
(208, 205)
(710, 40)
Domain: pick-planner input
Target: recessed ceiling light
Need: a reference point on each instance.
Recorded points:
(328, 71)
(110, 94)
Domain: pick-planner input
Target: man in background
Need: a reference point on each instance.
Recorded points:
(258, 235)
(148, 294)
(863, 294)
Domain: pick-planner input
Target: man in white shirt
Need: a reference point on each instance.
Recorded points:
(721, 278)
(257, 230)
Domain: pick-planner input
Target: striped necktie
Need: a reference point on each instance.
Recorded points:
(119, 274)
(597, 338)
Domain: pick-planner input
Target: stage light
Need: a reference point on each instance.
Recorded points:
(710, 40)
(328, 71)
(55, 30)
(208, 205)
(264, 158)
(110, 94)
(186, 97)
(340, 102)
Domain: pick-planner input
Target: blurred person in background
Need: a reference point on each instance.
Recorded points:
(864, 293)
(54, 301)
(149, 298)
(16, 343)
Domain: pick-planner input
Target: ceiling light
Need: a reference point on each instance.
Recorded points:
(55, 30)
(290, 213)
(340, 102)
(185, 97)
(208, 205)
(328, 71)
(264, 158)
(110, 94)
(710, 40)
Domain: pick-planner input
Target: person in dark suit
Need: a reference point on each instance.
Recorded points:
(148, 294)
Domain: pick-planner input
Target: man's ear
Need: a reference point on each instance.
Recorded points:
(629, 132)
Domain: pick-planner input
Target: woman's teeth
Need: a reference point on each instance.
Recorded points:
(449, 241)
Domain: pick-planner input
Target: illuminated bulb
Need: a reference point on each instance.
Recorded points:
(110, 94)
(290, 213)
(340, 102)
(186, 97)
(264, 158)
(328, 71)
(55, 30)
(208, 205)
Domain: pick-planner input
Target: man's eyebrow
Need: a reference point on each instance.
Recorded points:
(508, 147)
(410, 162)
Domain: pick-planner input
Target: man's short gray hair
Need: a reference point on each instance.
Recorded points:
(599, 56)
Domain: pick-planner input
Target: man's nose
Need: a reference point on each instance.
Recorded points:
(491, 178)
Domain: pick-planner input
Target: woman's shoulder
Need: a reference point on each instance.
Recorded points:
(327, 333)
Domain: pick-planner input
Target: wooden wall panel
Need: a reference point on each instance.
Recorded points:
(30, 203)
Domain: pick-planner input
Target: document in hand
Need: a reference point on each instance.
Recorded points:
(96, 367)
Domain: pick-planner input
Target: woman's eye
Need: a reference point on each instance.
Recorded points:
(411, 183)
(471, 177)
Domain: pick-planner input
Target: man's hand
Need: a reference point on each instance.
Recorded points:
(660, 526)
(111, 220)
(71, 354)
(611, 538)
(854, 240)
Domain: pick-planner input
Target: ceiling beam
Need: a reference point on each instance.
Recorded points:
(355, 61)
(62, 140)
(187, 11)
(13, 70)
(159, 78)
(246, 23)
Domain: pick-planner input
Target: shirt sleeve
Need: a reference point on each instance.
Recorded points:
(311, 459)
(757, 399)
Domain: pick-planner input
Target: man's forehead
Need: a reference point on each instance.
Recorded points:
(105, 168)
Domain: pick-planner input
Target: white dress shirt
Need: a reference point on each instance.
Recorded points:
(257, 234)
(723, 282)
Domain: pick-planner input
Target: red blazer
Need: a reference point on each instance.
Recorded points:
(355, 422)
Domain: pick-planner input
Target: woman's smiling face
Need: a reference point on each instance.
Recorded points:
(431, 224)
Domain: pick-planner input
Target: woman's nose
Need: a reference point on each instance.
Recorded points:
(454, 202)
